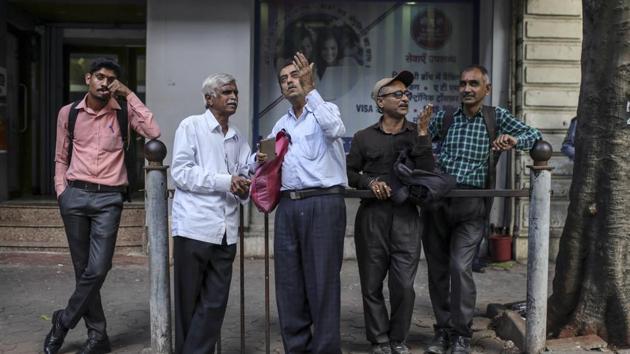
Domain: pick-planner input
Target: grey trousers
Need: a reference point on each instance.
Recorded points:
(450, 239)
(91, 222)
(387, 240)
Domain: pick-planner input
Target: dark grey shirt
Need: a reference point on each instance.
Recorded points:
(373, 152)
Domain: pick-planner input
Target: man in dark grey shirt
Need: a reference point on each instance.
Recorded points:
(387, 235)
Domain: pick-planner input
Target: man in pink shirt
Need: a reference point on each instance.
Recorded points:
(90, 179)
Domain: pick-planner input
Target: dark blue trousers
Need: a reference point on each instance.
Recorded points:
(308, 252)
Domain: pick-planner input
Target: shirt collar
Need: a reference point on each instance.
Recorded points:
(460, 111)
(213, 124)
(111, 105)
(305, 111)
(408, 126)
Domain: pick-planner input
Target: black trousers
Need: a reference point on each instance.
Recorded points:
(308, 253)
(203, 273)
(91, 222)
(387, 240)
(450, 238)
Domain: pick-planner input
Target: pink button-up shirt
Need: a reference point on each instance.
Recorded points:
(97, 150)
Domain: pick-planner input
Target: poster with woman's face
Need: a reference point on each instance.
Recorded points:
(355, 44)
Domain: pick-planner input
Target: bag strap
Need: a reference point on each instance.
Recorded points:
(447, 122)
(283, 139)
(123, 122)
(490, 119)
(72, 120)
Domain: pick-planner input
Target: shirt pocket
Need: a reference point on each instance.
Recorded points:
(312, 146)
(373, 155)
(111, 140)
(374, 161)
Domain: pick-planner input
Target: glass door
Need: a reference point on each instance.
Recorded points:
(133, 63)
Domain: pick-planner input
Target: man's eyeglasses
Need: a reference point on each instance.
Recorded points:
(398, 94)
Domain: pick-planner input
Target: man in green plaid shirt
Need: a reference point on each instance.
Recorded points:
(454, 229)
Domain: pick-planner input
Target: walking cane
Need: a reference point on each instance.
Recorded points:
(241, 234)
(267, 322)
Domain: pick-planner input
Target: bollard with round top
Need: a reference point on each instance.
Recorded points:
(157, 232)
(538, 247)
(541, 153)
(155, 152)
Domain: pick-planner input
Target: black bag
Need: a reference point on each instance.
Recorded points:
(423, 188)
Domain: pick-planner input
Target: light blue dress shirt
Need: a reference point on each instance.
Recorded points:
(315, 157)
(204, 161)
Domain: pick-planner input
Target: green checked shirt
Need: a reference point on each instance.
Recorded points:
(465, 149)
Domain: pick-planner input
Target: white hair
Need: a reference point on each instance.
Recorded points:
(212, 83)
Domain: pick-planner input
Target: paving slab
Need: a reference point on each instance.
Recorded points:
(36, 284)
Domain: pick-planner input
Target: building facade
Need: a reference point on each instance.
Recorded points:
(532, 49)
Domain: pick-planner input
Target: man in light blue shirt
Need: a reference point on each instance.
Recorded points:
(310, 220)
(209, 164)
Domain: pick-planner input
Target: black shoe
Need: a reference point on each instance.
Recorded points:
(381, 348)
(440, 342)
(96, 346)
(460, 345)
(478, 268)
(399, 348)
(54, 338)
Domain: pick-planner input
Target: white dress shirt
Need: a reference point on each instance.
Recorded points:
(315, 157)
(204, 161)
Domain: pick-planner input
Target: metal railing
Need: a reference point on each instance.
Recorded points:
(157, 216)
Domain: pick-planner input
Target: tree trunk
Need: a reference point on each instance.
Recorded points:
(591, 288)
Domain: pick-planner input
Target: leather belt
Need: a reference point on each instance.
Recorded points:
(95, 187)
(296, 194)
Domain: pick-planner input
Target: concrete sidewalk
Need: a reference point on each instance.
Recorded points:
(35, 284)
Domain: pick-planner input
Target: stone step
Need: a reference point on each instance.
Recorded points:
(28, 236)
(46, 215)
(38, 227)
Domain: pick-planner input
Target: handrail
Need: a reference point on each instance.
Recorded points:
(455, 193)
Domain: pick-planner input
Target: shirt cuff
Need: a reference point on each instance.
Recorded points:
(364, 182)
(60, 188)
(313, 100)
(134, 101)
(222, 183)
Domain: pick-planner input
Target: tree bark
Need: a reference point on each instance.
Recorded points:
(591, 288)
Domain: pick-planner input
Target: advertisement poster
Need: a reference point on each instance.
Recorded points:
(354, 44)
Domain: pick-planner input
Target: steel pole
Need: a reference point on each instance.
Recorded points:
(241, 236)
(157, 229)
(267, 317)
(538, 249)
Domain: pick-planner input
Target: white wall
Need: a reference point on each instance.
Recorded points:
(495, 22)
(186, 41)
